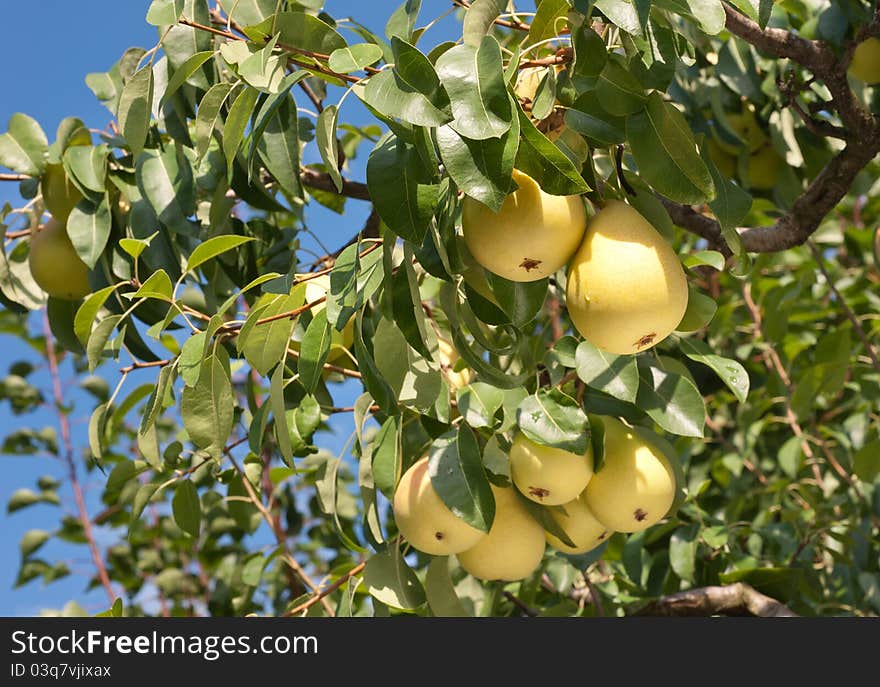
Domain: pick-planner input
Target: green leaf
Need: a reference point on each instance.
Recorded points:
(683, 552)
(314, 348)
(206, 117)
(187, 508)
(279, 412)
(413, 381)
(98, 339)
(249, 12)
(520, 301)
(207, 408)
(181, 76)
(545, 95)
(482, 169)
(731, 372)
(354, 57)
(165, 12)
(386, 456)
(87, 313)
(88, 227)
(730, 206)
(267, 343)
(213, 247)
(374, 382)
(390, 95)
(479, 19)
(622, 13)
(618, 91)
(165, 179)
(87, 166)
(866, 462)
(388, 579)
(478, 403)
(590, 54)
(24, 147)
(134, 109)
(279, 145)
(158, 285)
(456, 470)
(672, 401)
(548, 21)
(705, 257)
(545, 163)
(665, 152)
(33, 540)
(550, 418)
(587, 117)
(616, 375)
(236, 122)
(413, 67)
(325, 135)
(474, 79)
(699, 313)
(403, 20)
(442, 599)
(97, 424)
(305, 31)
(403, 191)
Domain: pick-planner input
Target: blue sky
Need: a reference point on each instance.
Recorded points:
(47, 49)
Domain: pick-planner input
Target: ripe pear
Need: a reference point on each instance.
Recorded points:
(59, 193)
(724, 161)
(55, 265)
(447, 356)
(530, 237)
(581, 526)
(549, 476)
(764, 168)
(424, 520)
(514, 547)
(636, 486)
(626, 287)
(318, 288)
(865, 64)
(746, 125)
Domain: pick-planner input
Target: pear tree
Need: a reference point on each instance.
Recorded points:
(606, 342)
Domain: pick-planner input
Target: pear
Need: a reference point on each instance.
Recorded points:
(865, 65)
(636, 486)
(549, 476)
(746, 125)
(764, 168)
(514, 547)
(530, 237)
(55, 265)
(317, 288)
(447, 357)
(424, 520)
(626, 287)
(581, 526)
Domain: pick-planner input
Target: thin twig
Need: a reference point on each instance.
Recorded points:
(306, 605)
(850, 315)
(13, 177)
(67, 444)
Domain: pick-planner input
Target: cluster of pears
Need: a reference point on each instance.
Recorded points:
(626, 289)
(763, 164)
(634, 489)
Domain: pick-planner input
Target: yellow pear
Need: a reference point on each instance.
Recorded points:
(724, 161)
(581, 526)
(318, 288)
(60, 195)
(530, 237)
(55, 265)
(865, 64)
(549, 476)
(448, 357)
(514, 547)
(424, 520)
(746, 125)
(636, 486)
(764, 168)
(626, 288)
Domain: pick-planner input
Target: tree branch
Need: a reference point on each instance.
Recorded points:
(735, 599)
(323, 182)
(860, 128)
(67, 455)
(13, 177)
